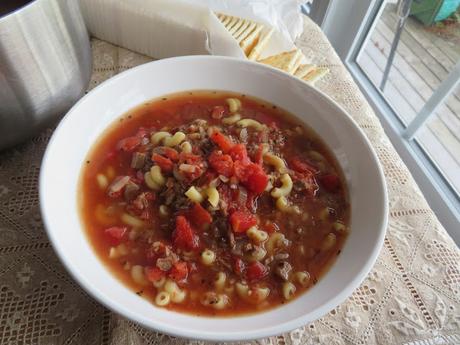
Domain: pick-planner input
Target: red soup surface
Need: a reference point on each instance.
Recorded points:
(213, 203)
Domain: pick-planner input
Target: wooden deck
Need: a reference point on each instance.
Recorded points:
(423, 60)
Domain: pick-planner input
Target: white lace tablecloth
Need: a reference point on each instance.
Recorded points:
(411, 296)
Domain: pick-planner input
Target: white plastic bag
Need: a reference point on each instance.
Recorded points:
(166, 28)
(284, 15)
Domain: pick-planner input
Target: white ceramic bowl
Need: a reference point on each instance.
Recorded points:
(85, 122)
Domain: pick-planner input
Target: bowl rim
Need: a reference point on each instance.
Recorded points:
(170, 329)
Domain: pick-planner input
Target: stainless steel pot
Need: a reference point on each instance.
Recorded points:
(45, 65)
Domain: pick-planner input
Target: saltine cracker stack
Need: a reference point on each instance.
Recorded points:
(254, 37)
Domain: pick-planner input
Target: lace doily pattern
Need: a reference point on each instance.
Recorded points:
(411, 296)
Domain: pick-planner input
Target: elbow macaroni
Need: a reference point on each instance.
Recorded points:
(288, 290)
(251, 123)
(175, 140)
(230, 120)
(213, 196)
(177, 295)
(186, 147)
(285, 188)
(219, 283)
(163, 211)
(339, 227)
(118, 251)
(102, 181)
(132, 221)
(303, 278)
(222, 302)
(208, 257)
(150, 182)
(193, 194)
(258, 294)
(282, 204)
(315, 155)
(242, 290)
(137, 274)
(162, 299)
(234, 104)
(277, 162)
(103, 216)
(159, 283)
(274, 241)
(157, 176)
(158, 137)
(256, 235)
(328, 242)
(257, 254)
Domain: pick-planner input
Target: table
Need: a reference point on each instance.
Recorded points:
(411, 296)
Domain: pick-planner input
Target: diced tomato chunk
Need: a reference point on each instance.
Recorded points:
(179, 271)
(141, 132)
(164, 163)
(116, 234)
(330, 182)
(256, 271)
(221, 163)
(271, 227)
(252, 176)
(154, 274)
(257, 181)
(240, 170)
(239, 266)
(301, 166)
(218, 112)
(170, 153)
(129, 144)
(239, 153)
(222, 141)
(242, 221)
(184, 236)
(189, 158)
(199, 216)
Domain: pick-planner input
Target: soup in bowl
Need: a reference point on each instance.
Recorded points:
(217, 188)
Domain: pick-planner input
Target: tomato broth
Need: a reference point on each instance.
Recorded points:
(214, 203)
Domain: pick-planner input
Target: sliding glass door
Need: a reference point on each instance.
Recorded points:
(405, 56)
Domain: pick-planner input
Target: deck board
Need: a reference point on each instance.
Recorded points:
(450, 49)
(415, 52)
(446, 133)
(418, 69)
(448, 112)
(435, 149)
(420, 37)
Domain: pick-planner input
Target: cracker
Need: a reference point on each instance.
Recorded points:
(237, 26)
(246, 31)
(226, 20)
(231, 23)
(251, 40)
(297, 62)
(261, 44)
(303, 70)
(316, 75)
(242, 28)
(284, 61)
